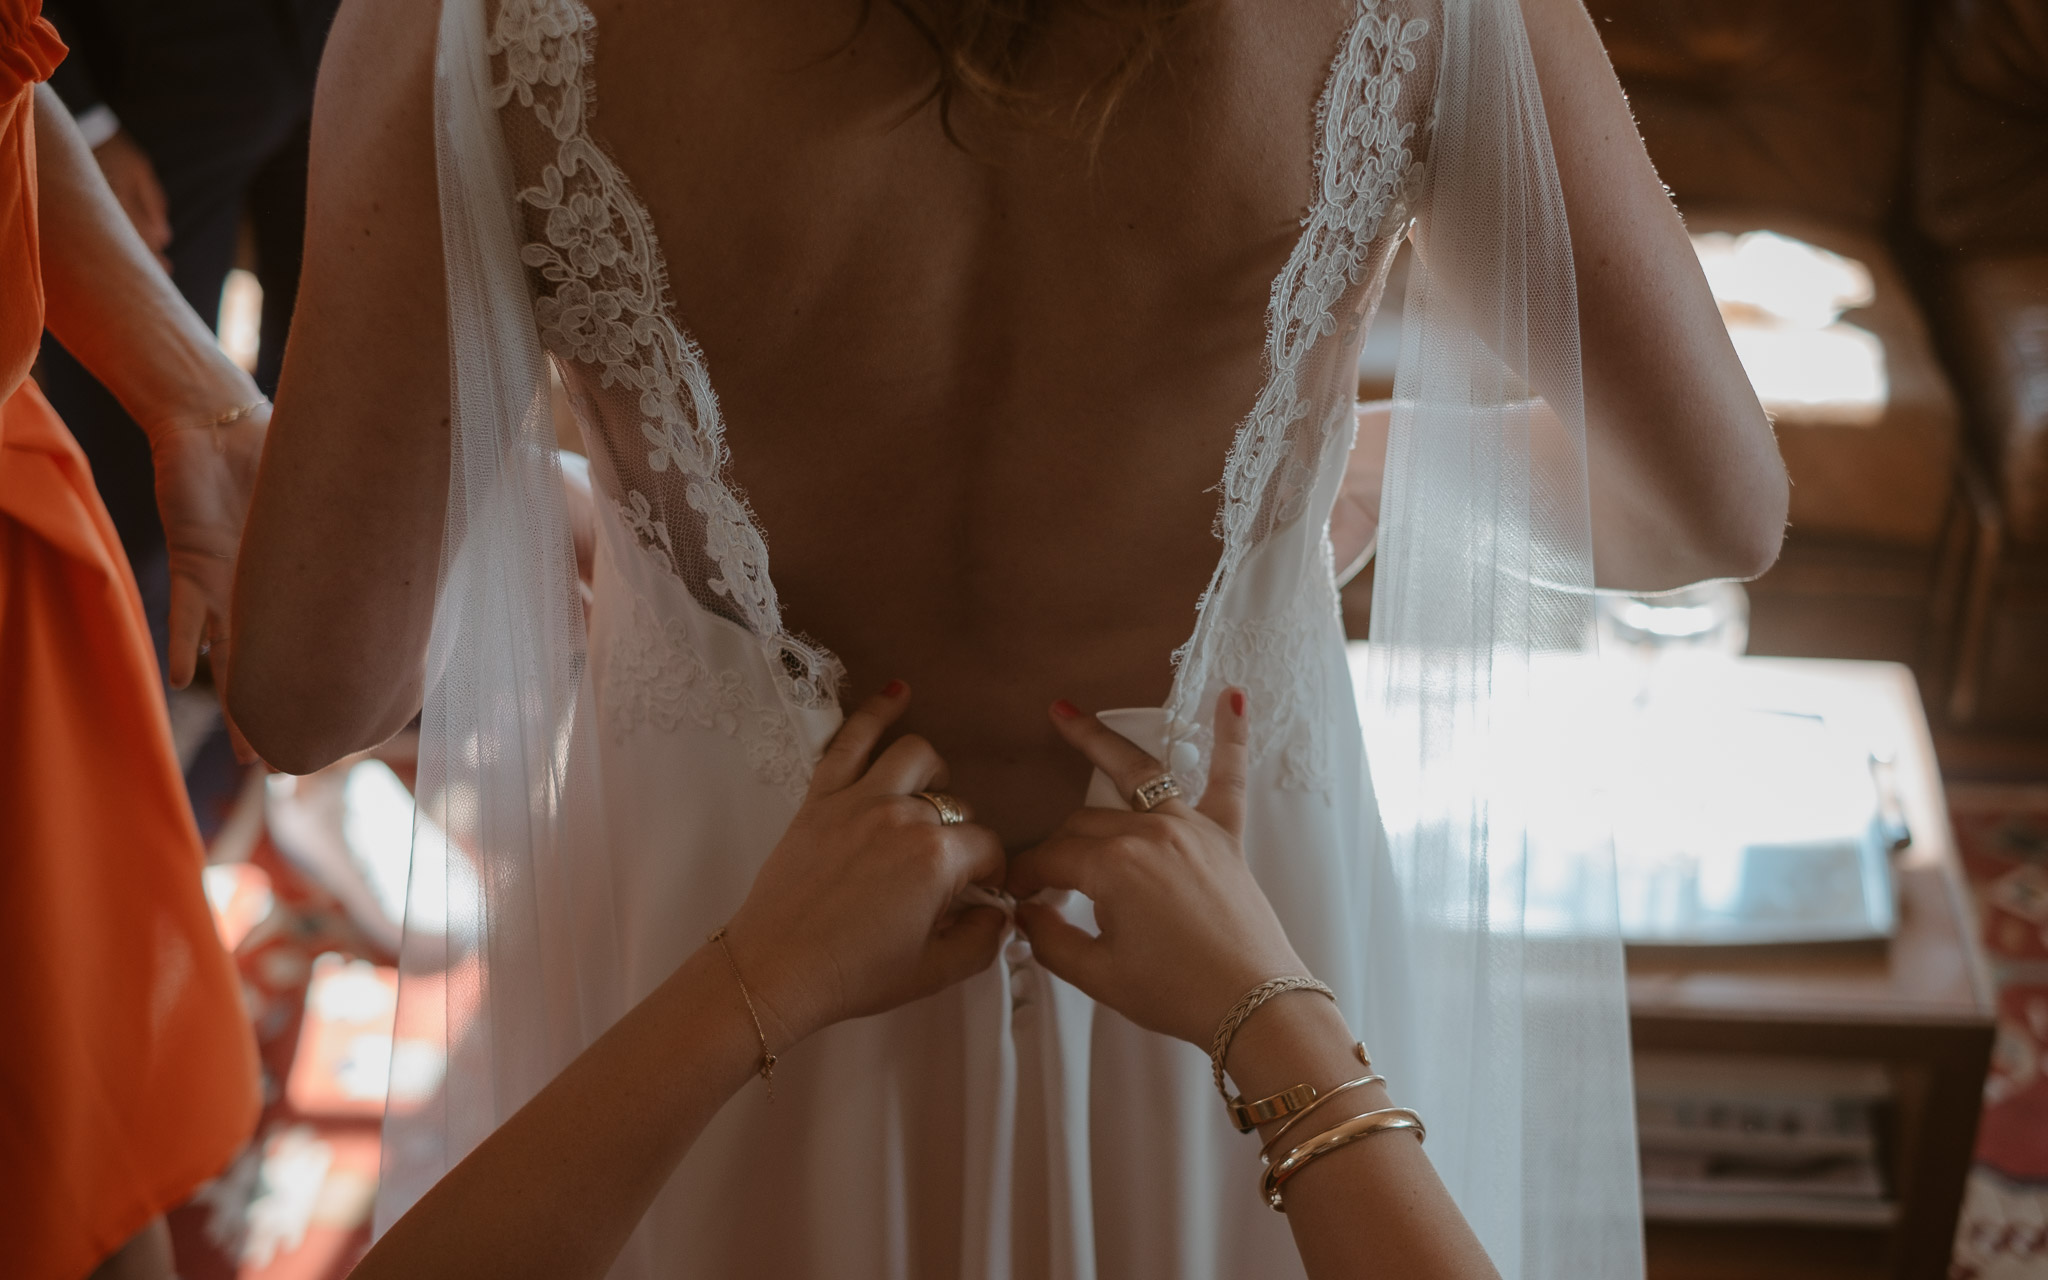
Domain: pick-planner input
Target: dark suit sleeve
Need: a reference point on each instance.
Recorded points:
(74, 80)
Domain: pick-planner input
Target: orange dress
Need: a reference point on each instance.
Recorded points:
(127, 1069)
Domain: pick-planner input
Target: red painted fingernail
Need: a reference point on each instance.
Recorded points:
(1237, 701)
(1065, 710)
(893, 688)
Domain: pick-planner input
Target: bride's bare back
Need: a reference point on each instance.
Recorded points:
(979, 401)
(979, 398)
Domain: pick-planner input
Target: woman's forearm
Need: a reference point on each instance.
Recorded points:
(107, 300)
(1374, 1208)
(556, 1191)
(335, 593)
(1186, 931)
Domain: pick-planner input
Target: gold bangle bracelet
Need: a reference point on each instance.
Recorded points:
(1248, 1116)
(1353, 1130)
(1291, 1104)
(1273, 1143)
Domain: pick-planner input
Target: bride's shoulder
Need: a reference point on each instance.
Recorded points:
(375, 49)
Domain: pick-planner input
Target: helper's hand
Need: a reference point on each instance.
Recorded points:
(204, 476)
(133, 178)
(1185, 930)
(853, 913)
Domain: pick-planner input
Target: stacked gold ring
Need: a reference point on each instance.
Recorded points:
(951, 812)
(1153, 792)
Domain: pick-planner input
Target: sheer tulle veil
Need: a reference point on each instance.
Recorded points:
(1513, 1034)
(1506, 1026)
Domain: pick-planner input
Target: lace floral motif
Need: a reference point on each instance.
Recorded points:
(1363, 170)
(654, 676)
(602, 304)
(1279, 662)
(636, 514)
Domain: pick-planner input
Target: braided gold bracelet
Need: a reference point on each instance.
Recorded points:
(1248, 1116)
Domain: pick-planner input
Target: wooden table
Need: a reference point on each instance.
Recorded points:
(1923, 1006)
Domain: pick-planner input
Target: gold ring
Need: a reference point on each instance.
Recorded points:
(951, 814)
(1149, 795)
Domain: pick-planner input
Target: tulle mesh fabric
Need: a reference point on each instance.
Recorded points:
(1510, 1016)
(1483, 590)
(491, 881)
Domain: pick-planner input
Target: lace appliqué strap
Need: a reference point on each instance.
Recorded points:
(1363, 170)
(602, 303)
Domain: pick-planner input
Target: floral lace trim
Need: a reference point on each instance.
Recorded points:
(1278, 662)
(604, 304)
(1363, 172)
(654, 676)
(1281, 663)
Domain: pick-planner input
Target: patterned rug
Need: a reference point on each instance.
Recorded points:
(2002, 832)
(321, 995)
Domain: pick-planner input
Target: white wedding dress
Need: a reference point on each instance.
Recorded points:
(609, 804)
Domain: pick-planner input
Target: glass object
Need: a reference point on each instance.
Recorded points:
(1710, 616)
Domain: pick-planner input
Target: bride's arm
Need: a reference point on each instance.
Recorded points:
(334, 591)
(851, 915)
(1687, 483)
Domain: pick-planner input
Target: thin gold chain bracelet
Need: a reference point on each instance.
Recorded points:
(231, 416)
(768, 1060)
